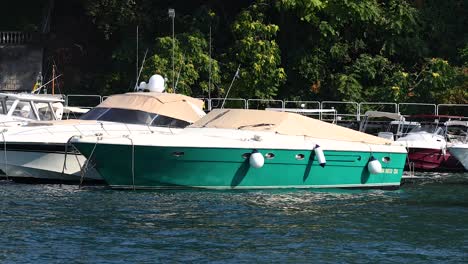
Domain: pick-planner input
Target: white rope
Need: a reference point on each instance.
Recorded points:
(85, 168)
(133, 161)
(5, 152)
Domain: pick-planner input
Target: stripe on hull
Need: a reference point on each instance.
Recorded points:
(390, 184)
(56, 148)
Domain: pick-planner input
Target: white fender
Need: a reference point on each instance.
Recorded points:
(374, 166)
(256, 159)
(320, 156)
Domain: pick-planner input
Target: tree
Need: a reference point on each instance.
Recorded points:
(258, 54)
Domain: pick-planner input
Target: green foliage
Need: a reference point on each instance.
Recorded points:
(191, 64)
(256, 50)
(111, 15)
(350, 50)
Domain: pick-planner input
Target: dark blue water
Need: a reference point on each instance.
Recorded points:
(425, 222)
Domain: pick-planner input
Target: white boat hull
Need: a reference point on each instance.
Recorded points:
(460, 152)
(45, 166)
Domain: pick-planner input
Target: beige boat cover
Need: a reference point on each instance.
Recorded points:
(282, 123)
(168, 104)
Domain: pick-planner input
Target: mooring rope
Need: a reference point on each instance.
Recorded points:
(84, 169)
(133, 161)
(5, 152)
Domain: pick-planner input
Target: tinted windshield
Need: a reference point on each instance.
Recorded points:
(132, 117)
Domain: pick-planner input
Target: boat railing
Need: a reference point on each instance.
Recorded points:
(417, 108)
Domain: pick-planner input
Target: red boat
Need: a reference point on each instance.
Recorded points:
(427, 147)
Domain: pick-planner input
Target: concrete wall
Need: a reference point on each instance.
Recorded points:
(19, 66)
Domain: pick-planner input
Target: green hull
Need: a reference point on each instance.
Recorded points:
(221, 168)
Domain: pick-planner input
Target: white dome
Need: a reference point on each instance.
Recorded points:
(142, 86)
(155, 84)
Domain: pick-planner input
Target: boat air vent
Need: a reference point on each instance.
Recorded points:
(386, 159)
(300, 156)
(246, 155)
(269, 155)
(178, 153)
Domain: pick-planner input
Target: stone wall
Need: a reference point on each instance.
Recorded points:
(20, 65)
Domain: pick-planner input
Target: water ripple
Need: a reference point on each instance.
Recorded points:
(423, 222)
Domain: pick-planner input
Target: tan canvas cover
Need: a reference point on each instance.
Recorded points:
(282, 123)
(172, 105)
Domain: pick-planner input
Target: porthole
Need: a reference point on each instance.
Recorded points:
(299, 156)
(386, 159)
(269, 155)
(178, 153)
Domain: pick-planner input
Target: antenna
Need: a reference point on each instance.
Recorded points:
(141, 68)
(209, 76)
(178, 74)
(233, 78)
(137, 53)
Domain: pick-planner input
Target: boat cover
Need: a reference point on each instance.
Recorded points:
(282, 123)
(394, 116)
(456, 123)
(168, 104)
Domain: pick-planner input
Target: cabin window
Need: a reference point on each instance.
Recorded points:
(45, 112)
(94, 113)
(165, 121)
(133, 117)
(23, 109)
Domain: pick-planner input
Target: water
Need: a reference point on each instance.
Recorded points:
(424, 222)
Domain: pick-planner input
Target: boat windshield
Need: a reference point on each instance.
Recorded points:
(132, 117)
(429, 128)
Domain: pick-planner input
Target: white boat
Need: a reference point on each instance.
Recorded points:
(37, 150)
(248, 149)
(457, 134)
(392, 130)
(18, 109)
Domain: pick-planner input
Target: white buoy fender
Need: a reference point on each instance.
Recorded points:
(320, 156)
(374, 166)
(256, 159)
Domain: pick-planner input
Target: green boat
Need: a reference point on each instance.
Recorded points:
(247, 149)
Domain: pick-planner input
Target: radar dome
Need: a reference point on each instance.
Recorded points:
(142, 86)
(155, 84)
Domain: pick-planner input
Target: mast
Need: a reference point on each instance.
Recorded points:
(53, 79)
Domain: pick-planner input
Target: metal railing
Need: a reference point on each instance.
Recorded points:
(83, 100)
(229, 103)
(417, 108)
(450, 109)
(261, 104)
(346, 110)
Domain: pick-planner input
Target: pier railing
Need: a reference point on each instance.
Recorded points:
(343, 110)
